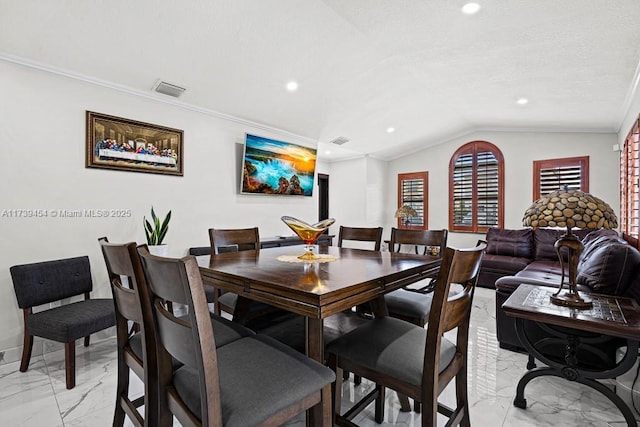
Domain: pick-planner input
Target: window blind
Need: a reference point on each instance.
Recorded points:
(476, 187)
(630, 186)
(555, 174)
(412, 191)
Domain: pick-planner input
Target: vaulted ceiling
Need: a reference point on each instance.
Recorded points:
(420, 66)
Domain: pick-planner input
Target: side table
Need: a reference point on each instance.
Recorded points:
(610, 316)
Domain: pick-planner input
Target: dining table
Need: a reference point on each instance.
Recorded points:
(340, 279)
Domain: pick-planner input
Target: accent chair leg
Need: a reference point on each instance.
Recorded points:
(70, 363)
(27, 347)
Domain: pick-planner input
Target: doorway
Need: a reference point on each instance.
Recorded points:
(323, 196)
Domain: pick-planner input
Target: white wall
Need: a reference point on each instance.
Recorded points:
(42, 129)
(631, 115)
(520, 149)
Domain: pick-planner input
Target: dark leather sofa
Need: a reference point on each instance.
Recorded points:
(607, 265)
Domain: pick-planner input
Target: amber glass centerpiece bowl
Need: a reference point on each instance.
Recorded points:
(309, 233)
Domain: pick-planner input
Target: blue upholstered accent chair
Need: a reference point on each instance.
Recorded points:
(52, 281)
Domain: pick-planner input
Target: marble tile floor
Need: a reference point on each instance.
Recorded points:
(39, 397)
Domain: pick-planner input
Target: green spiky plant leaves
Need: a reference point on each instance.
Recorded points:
(157, 231)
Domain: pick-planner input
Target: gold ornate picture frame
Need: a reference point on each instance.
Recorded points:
(129, 145)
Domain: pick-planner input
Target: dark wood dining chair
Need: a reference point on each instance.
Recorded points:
(234, 240)
(136, 333)
(57, 281)
(361, 234)
(414, 304)
(407, 358)
(136, 344)
(251, 381)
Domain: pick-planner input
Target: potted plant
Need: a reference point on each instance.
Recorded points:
(155, 232)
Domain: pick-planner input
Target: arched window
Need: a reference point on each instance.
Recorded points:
(476, 188)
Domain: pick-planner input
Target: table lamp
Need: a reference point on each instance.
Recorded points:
(570, 208)
(405, 212)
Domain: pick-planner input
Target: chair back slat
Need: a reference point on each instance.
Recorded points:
(242, 239)
(120, 259)
(361, 234)
(126, 302)
(176, 335)
(44, 282)
(425, 239)
(464, 270)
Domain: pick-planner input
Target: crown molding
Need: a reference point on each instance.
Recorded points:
(149, 95)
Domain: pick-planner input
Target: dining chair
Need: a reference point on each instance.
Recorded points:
(254, 380)
(234, 240)
(136, 334)
(410, 303)
(55, 281)
(407, 358)
(135, 343)
(361, 234)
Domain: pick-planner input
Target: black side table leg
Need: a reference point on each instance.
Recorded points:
(520, 401)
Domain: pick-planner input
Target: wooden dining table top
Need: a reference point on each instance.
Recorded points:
(315, 289)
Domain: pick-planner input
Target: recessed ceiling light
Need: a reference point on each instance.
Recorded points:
(327, 152)
(522, 101)
(391, 130)
(292, 86)
(470, 8)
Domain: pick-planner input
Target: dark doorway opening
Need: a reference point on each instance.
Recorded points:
(323, 196)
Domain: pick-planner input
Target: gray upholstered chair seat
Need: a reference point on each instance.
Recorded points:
(409, 303)
(73, 321)
(390, 346)
(253, 388)
(226, 331)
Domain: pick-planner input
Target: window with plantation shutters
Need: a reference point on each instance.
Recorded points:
(413, 191)
(629, 186)
(555, 174)
(476, 188)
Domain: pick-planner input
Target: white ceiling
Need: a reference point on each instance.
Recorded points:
(420, 66)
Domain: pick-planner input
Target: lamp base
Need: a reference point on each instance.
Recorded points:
(570, 299)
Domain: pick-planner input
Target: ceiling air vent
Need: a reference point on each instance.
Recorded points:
(168, 89)
(340, 140)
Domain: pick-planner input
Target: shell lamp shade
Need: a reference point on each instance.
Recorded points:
(571, 209)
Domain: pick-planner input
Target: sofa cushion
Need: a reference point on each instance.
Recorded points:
(503, 264)
(610, 269)
(594, 245)
(515, 243)
(597, 235)
(544, 240)
(550, 268)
